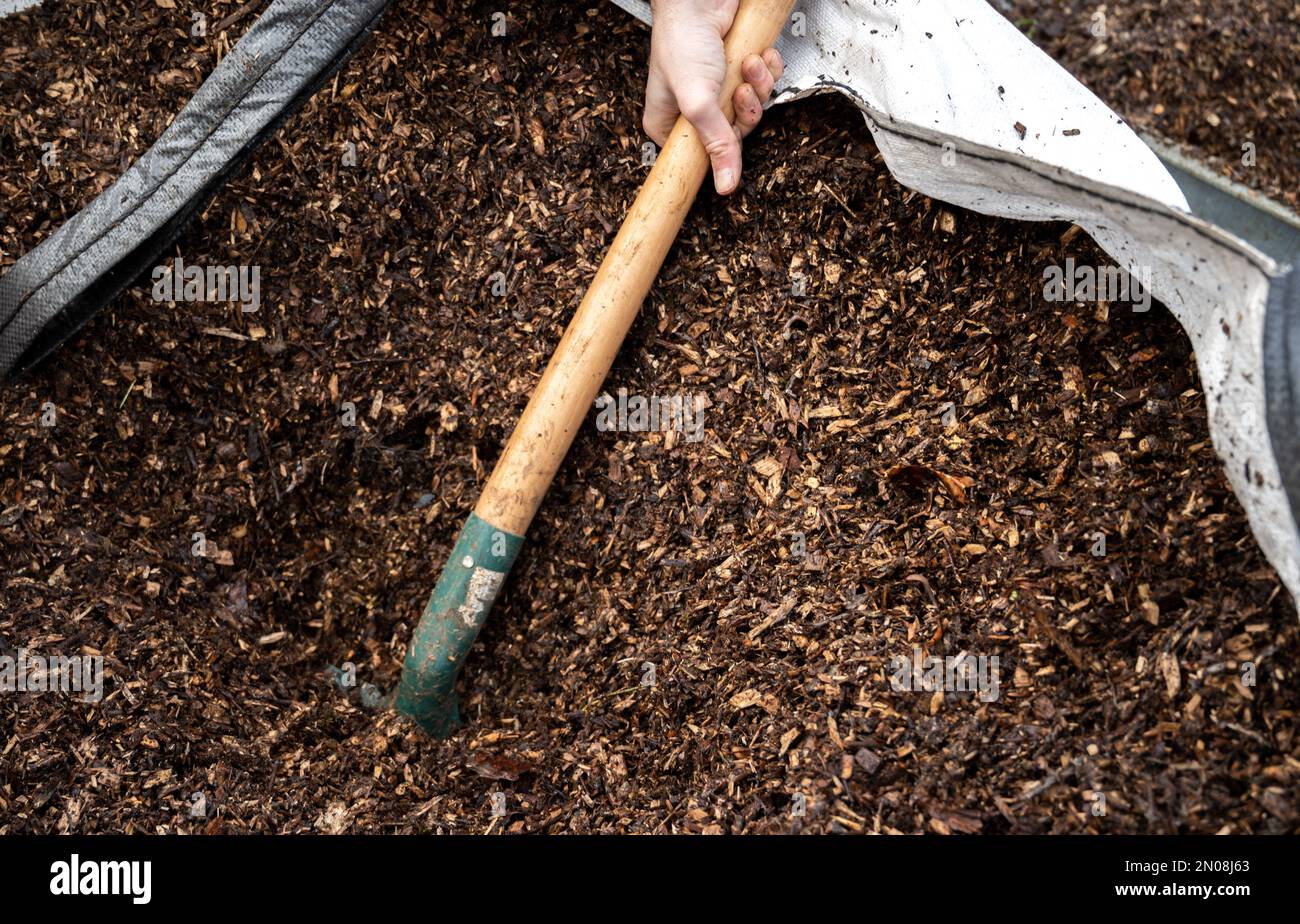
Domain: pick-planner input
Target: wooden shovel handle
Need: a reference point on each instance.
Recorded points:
(493, 534)
(577, 369)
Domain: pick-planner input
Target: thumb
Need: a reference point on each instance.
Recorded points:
(719, 138)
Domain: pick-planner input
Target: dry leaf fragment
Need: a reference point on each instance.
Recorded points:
(498, 766)
(955, 485)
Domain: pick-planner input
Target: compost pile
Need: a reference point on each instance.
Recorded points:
(946, 444)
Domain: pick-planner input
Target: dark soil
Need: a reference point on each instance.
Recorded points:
(946, 442)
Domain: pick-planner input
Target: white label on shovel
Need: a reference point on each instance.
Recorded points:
(482, 590)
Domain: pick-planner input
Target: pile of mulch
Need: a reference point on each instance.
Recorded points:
(946, 444)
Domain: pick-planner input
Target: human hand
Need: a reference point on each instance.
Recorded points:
(687, 70)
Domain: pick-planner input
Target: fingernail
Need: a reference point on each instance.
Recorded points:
(726, 179)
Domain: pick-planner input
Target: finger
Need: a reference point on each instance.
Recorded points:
(749, 111)
(775, 63)
(760, 79)
(719, 139)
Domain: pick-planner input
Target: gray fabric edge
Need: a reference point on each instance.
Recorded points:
(274, 62)
(1282, 379)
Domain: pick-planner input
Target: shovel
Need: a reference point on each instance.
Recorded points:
(491, 538)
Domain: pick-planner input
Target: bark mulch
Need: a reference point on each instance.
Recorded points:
(946, 444)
